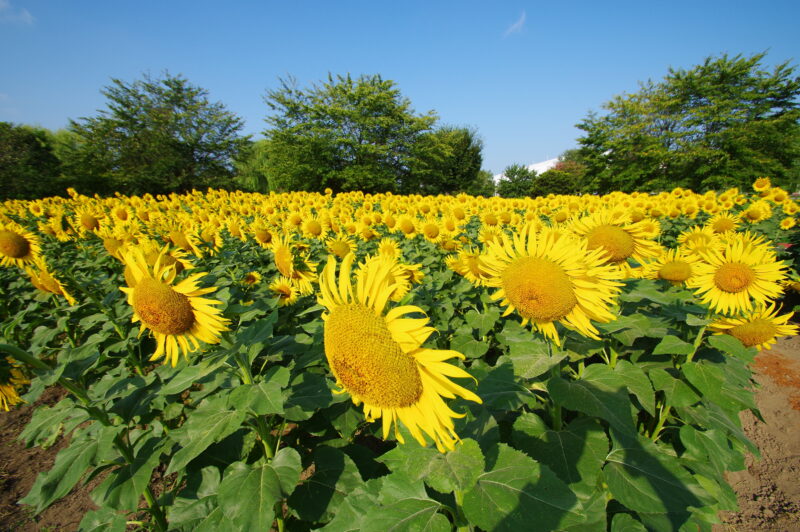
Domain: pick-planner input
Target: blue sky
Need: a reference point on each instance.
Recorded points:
(521, 73)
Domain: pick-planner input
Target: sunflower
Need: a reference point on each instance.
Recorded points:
(609, 232)
(45, 281)
(388, 247)
(284, 289)
(723, 222)
(673, 265)
(295, 267)
(340, 245)
(787, 223)
(469, 264)
(549, 279)
(176, 314)
(758, 328)
(18, 247)
(379, 360)
(251, 278)
(730, 279)
(761, 184)
(11, 380)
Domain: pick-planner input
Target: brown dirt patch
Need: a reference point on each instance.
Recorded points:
(769, 489)
(19, 468)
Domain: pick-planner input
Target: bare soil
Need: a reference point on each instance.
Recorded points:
(768, 490)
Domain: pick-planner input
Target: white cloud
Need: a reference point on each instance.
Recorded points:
(517, 26)
(12, 15)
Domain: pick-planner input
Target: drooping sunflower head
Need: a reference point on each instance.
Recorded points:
(175, 313)
(12, 379)
(18, 247)
(378, 357)
(759, 328)
(469, 264)
(46, 282)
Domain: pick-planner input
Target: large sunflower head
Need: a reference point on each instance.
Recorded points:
(378, 358)
(175, 313)
(548, 277)
(758, 328)
(612, 233)
(18, 247)
(742, 272)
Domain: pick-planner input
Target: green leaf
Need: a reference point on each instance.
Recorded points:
(184, 377)
(638, 384)
(518, 492)
(483, 321)
(711, 380)
(261, 398)
(308, 393)
(352, 510)
(444, 472)
(211, 422)
(594, 397)
(626, 523)
(732, 346)
(576, 454)
(48, 422)
(672, 345)
(103, 520)
(465, 343)
(677, 392)
(499, 388)
(645, 479)
(247, 494)
(335, 475)
(407, 515)
(123, 487)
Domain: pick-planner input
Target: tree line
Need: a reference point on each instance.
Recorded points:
(721, 123)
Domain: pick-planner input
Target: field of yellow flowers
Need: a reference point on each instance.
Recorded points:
(344, 362)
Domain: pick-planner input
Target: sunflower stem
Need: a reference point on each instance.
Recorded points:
(462, 524)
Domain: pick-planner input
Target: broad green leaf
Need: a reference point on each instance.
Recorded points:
(465, 343)
(483, 321)
(308, 393)
(576, 454)
(711, 380)
(638, 384)
(594, 397)
(499, 388)
(407, 515)
(677, 392)
(257, 332)
(626, 523)
(517, 492)
(444, 472)
(103, 520)
(123, 487)
(712, 416)
(672, 345)
(335, 475)
(261, 398)
(397, 486)
(211, 422)
(248, 493)
(645, 479)
(47, 423)
(351, 511)
(732, 346)
(708, 451)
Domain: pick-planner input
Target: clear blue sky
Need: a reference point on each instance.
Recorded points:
(521, 73)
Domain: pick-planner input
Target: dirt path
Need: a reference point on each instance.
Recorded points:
(768, 490)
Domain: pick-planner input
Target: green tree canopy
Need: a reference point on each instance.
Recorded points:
(156, 135)
(516, 182)
(28, 167)
(346, 134)
(724, 122)
(448, 160)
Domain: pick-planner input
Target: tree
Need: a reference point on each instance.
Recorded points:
(566, 177)
(516, 182)
(448, 161)
(28, 167)
(345, 134)
(483, 185)
(156, 135)
(251, 167)
(721, 123)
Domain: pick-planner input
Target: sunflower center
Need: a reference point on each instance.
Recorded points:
(722, 225)
(89, 222)
(615, 240)
(339, 248)
(161, 308)
(368, 361)
(733, 277)
(754, 332)
(675, 271)
(13, 245)
(539, 289)
(314, 228)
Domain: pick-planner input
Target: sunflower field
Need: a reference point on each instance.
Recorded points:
(358, 362)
